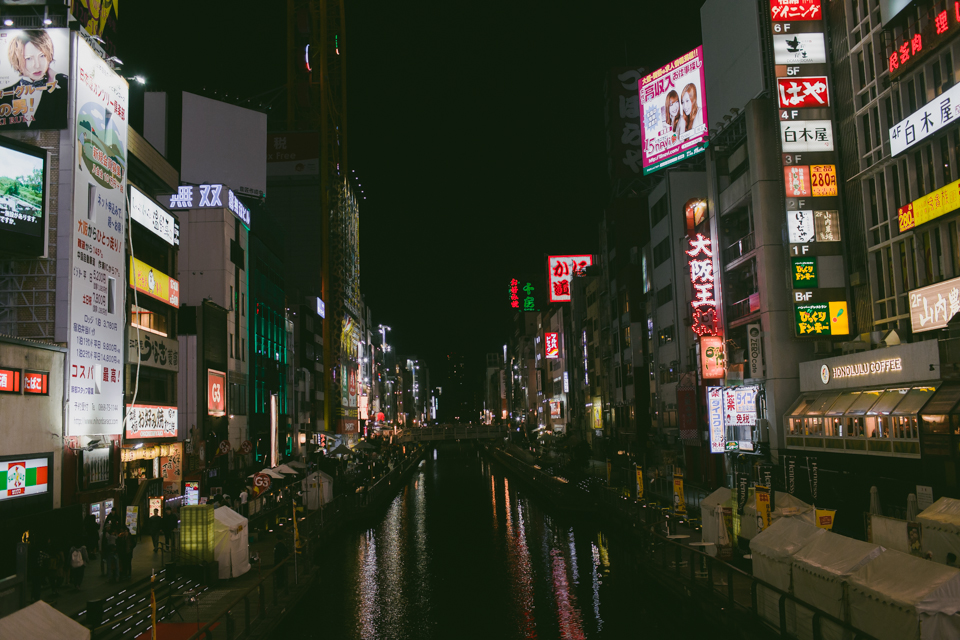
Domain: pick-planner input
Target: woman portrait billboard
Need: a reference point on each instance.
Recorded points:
(33, 65)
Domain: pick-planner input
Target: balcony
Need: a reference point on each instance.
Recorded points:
(738, 249)
(743, 308)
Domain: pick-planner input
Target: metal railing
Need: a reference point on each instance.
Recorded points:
(738, 249)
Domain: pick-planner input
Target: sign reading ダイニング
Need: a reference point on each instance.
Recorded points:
(95, 333)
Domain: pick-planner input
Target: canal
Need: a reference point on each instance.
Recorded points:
(463, 551)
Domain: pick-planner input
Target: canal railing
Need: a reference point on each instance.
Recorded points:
(453, 432)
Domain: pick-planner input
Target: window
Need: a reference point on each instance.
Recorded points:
(664, 295)
(897, 200)
(870, 63)
(876, 127)
(659, 211)
(661, 252)
(883, 195)
(912, 95)
(665, 336)
(918, 165)
(944, 160)
(861, 70)
(231, 345)
(243, 349)
(625, 337)
(232, 305)
(148, 320)
(243, 304)
(948, 66)
(872, 195)
(937, 79)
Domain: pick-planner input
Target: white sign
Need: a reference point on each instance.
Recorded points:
(799, 48)
(740, 406)
(800, 226)
(867, 368)
(932, 307)
(208, 196)
(806, 135)
(147, 421)
(561, 270)
(153, 351)
(97, 258)
(755, 350)
(152, 216)
(924, 497)
(566, 382)
(933, 116)
(718, 439)
(321, 308)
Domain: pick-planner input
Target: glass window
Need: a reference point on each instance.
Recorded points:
(148, 320)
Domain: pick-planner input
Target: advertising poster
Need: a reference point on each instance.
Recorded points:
(216, 393)
(551, 345)
(96, 345)
(153, 351)
(674, 112)
(22, 205)
(131, 519)
(97, 467)
(915, 539)
(763, 507)
(24, 477)
(191, 491)
(171, 470)
(822, 318)
(825, 518)
(154, 505)
(98, 18)
(34, 72)
(154, 283)
(799, 48)
(292, 154)
(150, 421)
(679, 500)
(561, 270)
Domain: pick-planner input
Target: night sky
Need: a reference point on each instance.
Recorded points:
(476, 130)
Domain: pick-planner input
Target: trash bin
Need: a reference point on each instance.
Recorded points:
(94, 616)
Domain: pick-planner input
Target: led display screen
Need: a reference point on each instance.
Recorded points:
(23, 179)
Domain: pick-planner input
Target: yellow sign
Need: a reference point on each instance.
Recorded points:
(639, 483)
(839, 319)
(823, 179)
(711, 357)
(825, 518)
(933, 205)
(679, 501)
(154, 283)
(763, 507)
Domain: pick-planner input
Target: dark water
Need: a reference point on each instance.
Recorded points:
(464, 552)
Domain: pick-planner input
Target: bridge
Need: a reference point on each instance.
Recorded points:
(453, 432)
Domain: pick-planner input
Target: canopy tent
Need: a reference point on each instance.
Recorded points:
(286, 469)
(231, 542)
(941, 528)
(819, 571)
(902, 597)
(786, 506)
(341, 451)
(318, 489)
(270, 472)
(40, 620)
(365, 446)
(773, 550)
(296, 464)
(722, 497)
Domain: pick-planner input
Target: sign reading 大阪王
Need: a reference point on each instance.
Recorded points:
(97, 257)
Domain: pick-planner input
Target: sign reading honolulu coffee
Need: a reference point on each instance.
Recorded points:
(902, 364)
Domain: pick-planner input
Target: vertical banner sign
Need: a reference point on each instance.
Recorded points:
(814, 478)
(755, 350)
(96, 349)
(790, 469)
(766, 479)
(743, 485)
(639, 483)
(679, 500)
(718, 436)
(763, 507)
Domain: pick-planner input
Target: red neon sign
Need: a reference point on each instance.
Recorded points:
(910, 47)
(785, 10)
(36, 382)
(514, 294)
(9, 380)
(803, 93)
(216, 393)
(701, 277)
(552, 342)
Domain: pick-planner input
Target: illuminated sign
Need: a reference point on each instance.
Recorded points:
(804, 273)
(923, 123)
(529, 304)
(740, 406)
(514, 294)
(191, 491)
(803, 93)
(909, 48)
(150, 421)
(799, 48)
(822, 319)
(867, 368)
(806, 135)
(24, 477)
(711, 357)
(9, 380)
(561, 270)
(36, 382)
(816, 180)
(153, 216)
(321, 308)
(23, 175)
(673, 112)
(216, 392)
(932, 307)
(695, 211)
(154, 283)
(554, 408)
(153, 350)
(790, 10)
(797, 181)
(704, 304)
(552, 345)
(208, 196)
(715, 419)
(933, 205)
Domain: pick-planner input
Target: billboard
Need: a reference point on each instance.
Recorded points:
(673, 112)
(23, 179)
(561, 270)
(792, 10)
(718, 436)
(151, 421)
(34, 66)
(97, 17)
(292, 154)
(152, 350)
(154, 283)
(207, 196)
(930, 118)
(216, 392)
(154, 217)
(23, 477)
(799, 48)
(932, 307)
(551, 346)
(931, 206)
(711, 357)
(97, 261)
(822, 319)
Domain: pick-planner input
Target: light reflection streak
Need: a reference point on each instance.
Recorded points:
(521, 572)
(573, 558)
(596, 585)
(568, 615)
(391, 569)
(422, 560)
(493, 499)
(368, 607)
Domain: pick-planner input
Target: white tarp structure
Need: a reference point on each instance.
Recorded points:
(318, 489)
(722, 497)
(889, 533)
(40, 620)
(901, 597)
(773, 550)
(941, 529)
(786, 505)
(819, 571)
(231, 542)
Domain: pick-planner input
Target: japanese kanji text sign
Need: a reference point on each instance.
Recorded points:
(10, 381)
(712, 361)
(514, 294)
(929, 207)
(715, 418)
(822, 319)
(806, 135)
(704, 304)
(799, 48)
(938, 113)
(740, 406)
(932, 307)
(801, 93)
(561, 270)
(804, 273)
(910, 47)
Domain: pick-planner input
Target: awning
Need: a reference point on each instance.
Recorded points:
(819, 406)
(943, 401)
(843, 403)
(866, 400)
(911, 405)
(802, 404)
(887, 402)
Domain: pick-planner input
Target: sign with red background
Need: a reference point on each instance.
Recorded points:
(36, 382)
(216, 392)
(790, 10)
(9, 380)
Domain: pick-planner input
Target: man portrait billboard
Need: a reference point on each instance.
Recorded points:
(33, 73)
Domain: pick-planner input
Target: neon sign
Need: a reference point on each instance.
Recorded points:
(701, 277)
(910, 48)
(528, 302)
(514, 296)
(561, 270)
(552, 345)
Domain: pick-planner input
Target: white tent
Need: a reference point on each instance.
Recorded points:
(941, 528)
(40, 620)
(819, 571)
(786, 506)
(286, 469)
(722, 497)
(901, 597)
(773, 550)
(318, 489)
(231, 542)
(276, 475)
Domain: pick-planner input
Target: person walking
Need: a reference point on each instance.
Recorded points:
(244, 496)
(110, 558)
(155, 526)
(78, 558)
